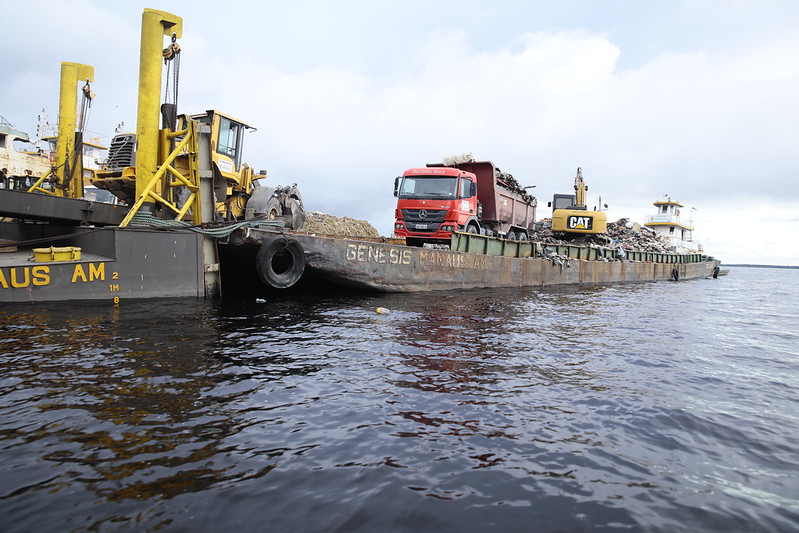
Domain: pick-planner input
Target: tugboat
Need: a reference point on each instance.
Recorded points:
(672, 228)
(20, 162)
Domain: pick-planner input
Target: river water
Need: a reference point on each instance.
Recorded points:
(637, 407)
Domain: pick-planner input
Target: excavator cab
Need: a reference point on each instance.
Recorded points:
(238, 193)
(227, 139)
(233, 179)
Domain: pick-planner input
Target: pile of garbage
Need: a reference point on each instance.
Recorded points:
(326, 224)
(505, 179)
(628, 235)
(633, 236)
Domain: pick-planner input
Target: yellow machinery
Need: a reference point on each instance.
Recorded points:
(158, 170)
(165, 176)
(66, 174)
(237, 194)
(570, 214)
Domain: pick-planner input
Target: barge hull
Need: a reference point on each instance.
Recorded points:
(115, 265)
(387, 267)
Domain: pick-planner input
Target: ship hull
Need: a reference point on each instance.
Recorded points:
(114, 265)
(386, 267)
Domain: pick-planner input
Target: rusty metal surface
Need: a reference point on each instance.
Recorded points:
(395, 268)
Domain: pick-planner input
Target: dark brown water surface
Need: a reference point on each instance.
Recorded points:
(641, 407)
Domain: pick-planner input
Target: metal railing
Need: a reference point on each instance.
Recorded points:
(482, 244)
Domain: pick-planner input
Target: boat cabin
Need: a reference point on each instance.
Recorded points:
(669, 224)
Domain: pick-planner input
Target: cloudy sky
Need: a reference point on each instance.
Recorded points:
(693, 99)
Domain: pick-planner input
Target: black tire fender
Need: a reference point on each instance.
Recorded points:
(675, 274)
(280, 263)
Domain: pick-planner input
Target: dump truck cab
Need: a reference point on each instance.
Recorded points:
(434, 202)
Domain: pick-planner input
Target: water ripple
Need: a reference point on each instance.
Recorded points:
(643, 407)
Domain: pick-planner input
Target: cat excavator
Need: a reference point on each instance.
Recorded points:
(570, 214)
(157, 170)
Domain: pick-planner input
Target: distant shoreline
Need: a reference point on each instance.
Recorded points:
(760, 266)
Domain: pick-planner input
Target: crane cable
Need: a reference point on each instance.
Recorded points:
(172, 55)
(169, 109)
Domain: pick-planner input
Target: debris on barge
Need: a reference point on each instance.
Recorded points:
(462, 244)
(327, 224)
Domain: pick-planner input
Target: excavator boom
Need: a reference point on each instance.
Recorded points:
(579, 189)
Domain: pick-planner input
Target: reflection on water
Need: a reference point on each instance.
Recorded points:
(572, 408)
(113, 401)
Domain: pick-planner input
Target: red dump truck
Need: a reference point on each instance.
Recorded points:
(471, 196)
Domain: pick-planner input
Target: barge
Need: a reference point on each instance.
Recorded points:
(283, 258)
(189, 209)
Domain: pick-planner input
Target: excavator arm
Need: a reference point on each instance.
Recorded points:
(580, 188)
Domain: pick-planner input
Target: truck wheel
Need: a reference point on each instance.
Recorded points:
(280, 263)
(471, 228)
(511, 236)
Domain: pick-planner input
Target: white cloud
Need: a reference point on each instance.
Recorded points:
(708, 125)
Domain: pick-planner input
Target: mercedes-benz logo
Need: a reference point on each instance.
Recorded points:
(422, 213)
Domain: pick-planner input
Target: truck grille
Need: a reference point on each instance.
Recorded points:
(433, 215)
(122, 152)
(429, 223)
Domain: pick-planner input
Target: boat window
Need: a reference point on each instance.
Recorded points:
(99, 195)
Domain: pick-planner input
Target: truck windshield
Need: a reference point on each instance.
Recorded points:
(428, 187)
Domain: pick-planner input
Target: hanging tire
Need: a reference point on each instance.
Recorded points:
(280, 263)
(675, 274)
(716, 272)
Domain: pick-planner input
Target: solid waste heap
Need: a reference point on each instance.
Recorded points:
(326, 224)
(505, 179)
(628, 235)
